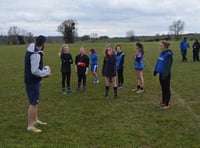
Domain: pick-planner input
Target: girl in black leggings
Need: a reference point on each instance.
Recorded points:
(163, 67)
(66, 60)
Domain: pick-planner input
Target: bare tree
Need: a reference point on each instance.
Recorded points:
(13, 32)
(93, 36)
(131, 35)
(68, 29)
(29, 37)
(177, 28)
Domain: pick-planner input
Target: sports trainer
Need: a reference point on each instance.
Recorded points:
(33, 74)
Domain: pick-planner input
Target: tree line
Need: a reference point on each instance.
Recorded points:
(69, 31)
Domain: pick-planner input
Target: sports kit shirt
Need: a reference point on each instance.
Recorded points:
(120, 60)
(138, 62)
(82, 62)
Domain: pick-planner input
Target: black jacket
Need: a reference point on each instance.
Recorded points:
(66, 60)
(196, 46)
(109, 66)
(82, 62)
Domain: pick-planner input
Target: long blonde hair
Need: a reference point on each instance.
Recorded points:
(62, 48)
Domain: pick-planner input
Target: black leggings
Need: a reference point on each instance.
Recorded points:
(64, 76)
(196, 55)
(165, 86)
(81, 77)
(184, 53)
(120, 76)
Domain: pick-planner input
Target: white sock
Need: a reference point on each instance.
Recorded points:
(29, 127)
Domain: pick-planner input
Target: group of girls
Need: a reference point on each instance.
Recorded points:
(113, 66)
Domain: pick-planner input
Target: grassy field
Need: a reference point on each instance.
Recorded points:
(88, 120)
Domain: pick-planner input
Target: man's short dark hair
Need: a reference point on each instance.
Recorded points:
(40, 40)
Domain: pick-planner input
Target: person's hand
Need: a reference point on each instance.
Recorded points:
(86, 72)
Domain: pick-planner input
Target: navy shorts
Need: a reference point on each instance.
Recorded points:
(33, 93)
(94, 68)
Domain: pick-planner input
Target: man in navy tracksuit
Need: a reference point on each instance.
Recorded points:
(184, 45)
(33, 74)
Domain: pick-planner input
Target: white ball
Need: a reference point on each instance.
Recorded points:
(46, 68)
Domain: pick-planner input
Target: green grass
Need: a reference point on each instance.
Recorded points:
(88, 120)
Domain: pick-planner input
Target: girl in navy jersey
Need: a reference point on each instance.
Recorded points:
(163, 67)
(120, 65)
(138, 64)
(109, 70)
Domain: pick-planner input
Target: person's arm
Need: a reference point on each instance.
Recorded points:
(35, 61)
(103, 67)
(122, 62)
(71, 62)
(193, 45)
(87, 66)
(188, 45)
(76, 60)
(167, 68)
(138, 57)
(63, 58)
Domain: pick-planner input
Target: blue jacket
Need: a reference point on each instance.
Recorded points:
(120, 60)
(184, 45)
(138, 62)
(94, 59)
(160, 65)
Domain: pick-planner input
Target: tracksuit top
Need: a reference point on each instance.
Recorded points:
(120, 60)
(66, 60)
(161, 62)
(138, 62)
(94, 59)
(109, 66)
(82, 62)
(28, 76)
(184, 45)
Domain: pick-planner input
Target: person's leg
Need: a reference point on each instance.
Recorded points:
(194, 56)
(186, 55)
(95, 76)
(167, 94)
(141, 79)
(33, 92)
(183, 55)
(122, 76)
(68, 80)
(107, 79)
(114, 84)
(198, 55)
(63, 81)
(140, 82)
(84, 82)
(32, 115)
(118, 77)
(79, 81)
(163, 90)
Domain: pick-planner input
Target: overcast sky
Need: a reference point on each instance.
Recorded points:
(104, 17)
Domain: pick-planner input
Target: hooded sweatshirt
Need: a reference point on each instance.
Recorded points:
(34, 71)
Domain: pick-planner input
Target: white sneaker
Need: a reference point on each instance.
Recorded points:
(38, 122)
(139, 91)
